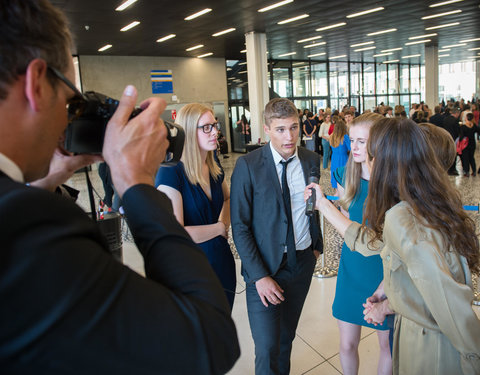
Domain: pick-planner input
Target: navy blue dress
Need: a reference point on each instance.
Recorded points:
(358, 276)
(198, 209)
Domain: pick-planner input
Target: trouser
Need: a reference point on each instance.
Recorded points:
(453, 168)
(468, 159)
(310, 143)
(273, 327)
(326, 152)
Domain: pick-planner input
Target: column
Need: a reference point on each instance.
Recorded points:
(258, 93)
(431, 76)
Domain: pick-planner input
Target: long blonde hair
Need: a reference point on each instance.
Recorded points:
(353, 170)
(339, 131)
(188, 118)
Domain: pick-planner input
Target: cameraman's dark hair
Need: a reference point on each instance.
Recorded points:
(279, 108)
(31, 29)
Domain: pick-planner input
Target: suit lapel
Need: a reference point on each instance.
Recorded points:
(305, 164)
(271, 172)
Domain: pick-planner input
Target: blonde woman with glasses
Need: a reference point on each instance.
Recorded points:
(199, 193)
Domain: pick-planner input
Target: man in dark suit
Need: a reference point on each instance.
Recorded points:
(277, 242)
(451, 125)
(437, 118)
(67, 306)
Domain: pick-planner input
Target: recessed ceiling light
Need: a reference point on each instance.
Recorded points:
(362, 44)
(390, 61)
(299, 63)
(205, 55)
(224, 31)
(364, 49)
(105, 47)
(410, 56)
(293, 19)
(392, 49)
(455, 45)
(331, 26)
(287, 54)
(166, 38)
(276, 5)
(442, 26)
(469, 40)
(446, 55)
(474, 49)
(382, 32)
(198, 14)
(444, 50)
(383, 54)
(337, 57)
(130, 26)
(441, 14)
(125, 5)
(243, 63)
(418, 42)
(317, 54)
(194, 47)
(422, 36)
(365, 12)
(315, 45)
(444, 3)
(243, 72)
(243, 51)
(309, 39)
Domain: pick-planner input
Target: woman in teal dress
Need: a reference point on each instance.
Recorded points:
(340, 144)
(358, 276)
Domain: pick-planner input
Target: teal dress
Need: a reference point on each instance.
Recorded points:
(358, 276)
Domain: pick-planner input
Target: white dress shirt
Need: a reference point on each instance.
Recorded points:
(11, 169)
(296, 184)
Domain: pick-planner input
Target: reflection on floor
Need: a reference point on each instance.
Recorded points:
(315, 349)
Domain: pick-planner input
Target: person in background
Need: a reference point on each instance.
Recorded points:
(357, 276)
(348, 118)
(309, 129)
(468, 130)
(450, 124)
(68, 306)
(389, 112)
(340, 144)
(437, 118)
(323, 133)
(199, 193)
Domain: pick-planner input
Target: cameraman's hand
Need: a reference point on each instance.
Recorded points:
(62, 166)
(135, 149)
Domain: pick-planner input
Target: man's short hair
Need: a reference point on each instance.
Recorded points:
(348, 112)
(470, 116)
(437, 109)
(279, 108)
(454, 110)
(31, 29)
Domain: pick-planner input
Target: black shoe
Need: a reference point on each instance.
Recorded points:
(466, 175)
(474, 174)
(226, 156)
(454, 173)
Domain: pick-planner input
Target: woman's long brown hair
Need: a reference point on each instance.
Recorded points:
(405, 168)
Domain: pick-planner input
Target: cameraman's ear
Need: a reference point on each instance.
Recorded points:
(126, 105)
(35, 81)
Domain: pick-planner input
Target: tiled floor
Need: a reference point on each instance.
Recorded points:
(315, 348)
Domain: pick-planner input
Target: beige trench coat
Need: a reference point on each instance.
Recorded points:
(429, 288)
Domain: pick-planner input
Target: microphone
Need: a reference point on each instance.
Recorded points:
(314, 177)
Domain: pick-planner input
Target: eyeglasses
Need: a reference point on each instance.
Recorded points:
(207, 128)
(78, 95)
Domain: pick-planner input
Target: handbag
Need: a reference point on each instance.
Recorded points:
(461, 144)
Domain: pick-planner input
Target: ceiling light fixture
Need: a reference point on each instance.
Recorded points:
(287, 54)
(364, 49)
(422, 36)
(198, 14)
(441, 14)
(293, 19)
(392, 49)
(446, 55)
(331, 26)
(224, 31)
(315, 45)
(410, 56)
(390, 61)
(444, 50)
(276, 5)
(442, 26)
(243, 63)
(130, 26)
(469, 40)
(309, 39)
(383, 54)
(362, 44)
(194, 47)
(337, 57)
(205, 55)
(365, 12)
(455, 45)
(166, 38)
(418, 42)
(125, 5)
(382, 32)
(474, 49)
(243, 72)
(444, 3)
(243, 51)
(317, 54)
(105, 47)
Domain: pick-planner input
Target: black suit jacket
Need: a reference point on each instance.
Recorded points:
(451, 125)
(67, 307)
(259, 220)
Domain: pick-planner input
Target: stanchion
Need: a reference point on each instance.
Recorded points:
(323, 271)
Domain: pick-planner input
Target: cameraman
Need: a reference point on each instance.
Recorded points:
(67, 307)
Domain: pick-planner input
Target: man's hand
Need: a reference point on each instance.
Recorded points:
(270, 291)
(135, 149)
(62, 166)
(317, 253)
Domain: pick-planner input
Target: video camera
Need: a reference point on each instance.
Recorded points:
(88, 119)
